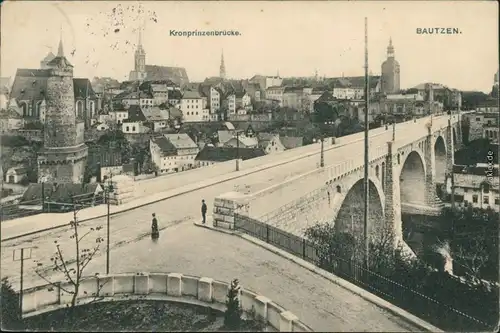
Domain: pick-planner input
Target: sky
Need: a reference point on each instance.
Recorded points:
(295, 38)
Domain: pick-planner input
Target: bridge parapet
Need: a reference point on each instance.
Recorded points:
(170, 287)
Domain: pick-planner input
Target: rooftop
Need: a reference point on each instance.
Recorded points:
(166, 147)
(181, 140)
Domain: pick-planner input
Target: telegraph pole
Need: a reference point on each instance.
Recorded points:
(322, 160)
(237, 151)
(366, 180)
(25, 254)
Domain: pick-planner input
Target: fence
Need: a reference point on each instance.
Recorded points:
(436, 312)
(38, 206)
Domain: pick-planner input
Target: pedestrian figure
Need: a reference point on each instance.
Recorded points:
(154, 228)
(329, 199)
(203, 211)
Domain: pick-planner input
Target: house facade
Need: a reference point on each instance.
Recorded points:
(476, 186)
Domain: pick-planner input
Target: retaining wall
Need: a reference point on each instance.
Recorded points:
(174, 287)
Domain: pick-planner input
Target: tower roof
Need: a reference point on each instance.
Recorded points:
(222, 66)
(390, 49)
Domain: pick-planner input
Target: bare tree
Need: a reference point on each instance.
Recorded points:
(61, 263)
(473, 256)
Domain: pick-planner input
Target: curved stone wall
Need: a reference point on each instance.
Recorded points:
(174, 287)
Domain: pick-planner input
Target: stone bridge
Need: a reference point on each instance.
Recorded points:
(405, 167)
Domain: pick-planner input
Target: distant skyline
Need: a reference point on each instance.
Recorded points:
(294, 38)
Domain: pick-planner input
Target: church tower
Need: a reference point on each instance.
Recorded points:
(64, 153)
(222, 71)
(390, 72)
(139, 72)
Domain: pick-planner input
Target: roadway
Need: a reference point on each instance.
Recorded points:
(128, 225)
(321, 304)
(129, 228)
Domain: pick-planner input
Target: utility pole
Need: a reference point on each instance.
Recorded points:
(322, 157)
(25, 254)
(237, 151)
(366, 180)
(108, 189)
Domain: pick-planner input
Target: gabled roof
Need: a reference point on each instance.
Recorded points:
(326, 97)
(174, 94)
(224, 136)
(135, 113)
(9, 114)
(222, 154)
(155, 113)
(166, 147)
(83, 88)
(59, 61)
(181, 140)
(291, 142)
(19, 169)
(293, 89)
(191, 95)
(178, 75)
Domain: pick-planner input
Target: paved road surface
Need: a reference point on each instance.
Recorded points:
(255, 182)
(127, 226)
(187, 249)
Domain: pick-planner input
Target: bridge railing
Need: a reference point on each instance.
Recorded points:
(438, 313)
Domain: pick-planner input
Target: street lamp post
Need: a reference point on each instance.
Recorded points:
(322, 157)
(237, 151)
(366, 152)
(108, 189)
(394, 131)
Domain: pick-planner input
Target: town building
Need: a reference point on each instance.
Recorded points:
(491, 132)
(194, 107)
(291, 142)
(10, 120)
(270, 143)
(212, 155)
(118, 116)
(476, 186)
(265, 82)
(390, 72)
(16, 174)
(173, 152)
(242, 141)
(63, 156)
(143, 72)
(4, 92)
(134, 127)
(275, 94)
(478, 121)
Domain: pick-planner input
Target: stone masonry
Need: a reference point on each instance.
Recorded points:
(64, 154)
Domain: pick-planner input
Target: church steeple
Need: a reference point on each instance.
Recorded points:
(140, 55)
(222, 71)
(60, 50)
(390, 49)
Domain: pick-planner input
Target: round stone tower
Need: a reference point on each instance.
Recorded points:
(390, 72)
(64, 155)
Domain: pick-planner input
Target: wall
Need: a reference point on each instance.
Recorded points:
(173, 287)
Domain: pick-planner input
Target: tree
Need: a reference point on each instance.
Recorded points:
(232, 316)
(331, 246)
(10, 306)
(473, 255)
(73, 276)
(305, 103)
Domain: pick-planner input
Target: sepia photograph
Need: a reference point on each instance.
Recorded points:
(226, 166)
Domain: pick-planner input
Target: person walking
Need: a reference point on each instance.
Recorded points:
(154, 227)
(203, 211)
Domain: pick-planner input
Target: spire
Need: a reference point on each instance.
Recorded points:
(390, 49)
(140, 37)
(60, 51)
(222, 66)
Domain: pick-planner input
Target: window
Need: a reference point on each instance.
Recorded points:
(474, 198)
(486, 188)
(127, 129)
(133, 128)
(497, 201)
(466, 190)
(486, 200)
(478, 119)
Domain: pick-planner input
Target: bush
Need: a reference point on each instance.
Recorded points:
(232, 316)
(10, 306)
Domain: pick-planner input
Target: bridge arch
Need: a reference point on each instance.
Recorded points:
(412, 179)
(440, 159)
(350, 215)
